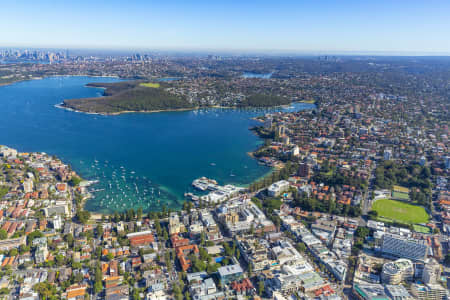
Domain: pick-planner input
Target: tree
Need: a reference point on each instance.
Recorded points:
(373, 214)
(45, 290)
(3, 234)
(177, 292)
(76, 265)
(83, 216)
(198, 265)
(99, 230)
(69, 239)
(4, 291)
(447, 259)
(23, 249)
(168, 261)
(212, 268)
(136, 294)
(187, 296)
(165, 235)
(130, 214)
(260, 288)
(34, 235)
(250, 270)
(13, 252)
(362, 232)
(202, 238)
(203, 254)
(59, 259)
(158, 227)
(78, 277)
(98, 286)
(301, 247)
(75, 181)
(355, 251)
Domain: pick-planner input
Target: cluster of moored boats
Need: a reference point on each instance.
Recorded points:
(120, 188)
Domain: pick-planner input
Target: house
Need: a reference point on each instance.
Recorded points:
(141, 238)
(75, 291)
(182, 253)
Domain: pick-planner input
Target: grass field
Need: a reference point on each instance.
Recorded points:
(308, 101)
(422, 229)
(400, 211)
(401, 196)
(150, 85)
(400, 189)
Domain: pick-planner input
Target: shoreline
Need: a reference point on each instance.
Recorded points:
(61, 106)
(68, 75)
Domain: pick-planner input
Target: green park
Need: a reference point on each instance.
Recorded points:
(398, 211)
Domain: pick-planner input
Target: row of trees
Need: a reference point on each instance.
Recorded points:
(390, 173)
(311, 203)
(336, 178)
(277, 175)
(413, 176)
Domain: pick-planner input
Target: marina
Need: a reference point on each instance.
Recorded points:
(216, 193)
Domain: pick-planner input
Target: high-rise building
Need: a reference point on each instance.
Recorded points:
(397, 271)
(422, 161)
(447, 162)
(28, 186)
(268, 122)
(303, 170)
(387, 154)
(428, 291)
(431, 272)
(281, 130)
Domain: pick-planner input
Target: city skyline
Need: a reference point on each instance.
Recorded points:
(283, 27)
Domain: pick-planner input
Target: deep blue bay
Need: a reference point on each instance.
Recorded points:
(141, 160)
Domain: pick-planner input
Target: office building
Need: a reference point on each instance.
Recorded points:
(401, 247)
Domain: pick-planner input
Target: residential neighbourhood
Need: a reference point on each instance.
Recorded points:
(357, 205)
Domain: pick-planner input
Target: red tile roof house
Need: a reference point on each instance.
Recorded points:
(141, 238)
(182, 252)
(177, 241)
(244, 287)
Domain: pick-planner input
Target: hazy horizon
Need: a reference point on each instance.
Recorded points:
(231, 52)
(285, 27)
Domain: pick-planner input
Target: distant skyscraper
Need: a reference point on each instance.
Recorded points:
(303, 170)
(281, 131)
(422, 161)
(387, 154)
(447, 162)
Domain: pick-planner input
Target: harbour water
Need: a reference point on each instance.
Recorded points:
(141, 160)
(257, 75)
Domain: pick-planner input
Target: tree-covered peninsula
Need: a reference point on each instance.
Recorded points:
(130, 96)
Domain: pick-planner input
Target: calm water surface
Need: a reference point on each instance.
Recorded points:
(141, 160)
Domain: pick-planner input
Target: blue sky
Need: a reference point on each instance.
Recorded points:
(308, 26)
